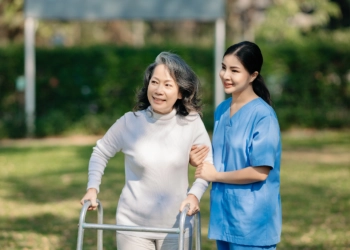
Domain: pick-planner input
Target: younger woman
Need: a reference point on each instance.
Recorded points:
(245, 207)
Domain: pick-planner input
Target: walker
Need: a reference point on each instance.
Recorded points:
(100, 227)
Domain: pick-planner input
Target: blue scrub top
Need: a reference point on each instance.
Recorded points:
(248, 214)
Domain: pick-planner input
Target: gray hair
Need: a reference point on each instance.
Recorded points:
(185, 78)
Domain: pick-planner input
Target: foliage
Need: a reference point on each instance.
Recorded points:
(290, 19)
(293, 19)
(310, 82)
(84, 90)
(42, 182)
(11, 21)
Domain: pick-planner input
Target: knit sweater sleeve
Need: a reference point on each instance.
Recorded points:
(201, 137)
(105, 148)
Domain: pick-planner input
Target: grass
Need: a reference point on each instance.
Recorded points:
(41, 185)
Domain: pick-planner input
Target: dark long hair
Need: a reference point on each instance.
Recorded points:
(185, 78)
(250, 56)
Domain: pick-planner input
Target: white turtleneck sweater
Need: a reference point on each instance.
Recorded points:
(156, 149)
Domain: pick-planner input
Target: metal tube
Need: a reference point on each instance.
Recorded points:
(29, 68)
(130, 228)
(81, 223)
(182, 226)
(197, 226)
(220, 35)
(100, 222)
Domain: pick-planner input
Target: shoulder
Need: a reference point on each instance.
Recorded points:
(129, 118)
(264, 115)
(132, 116)
(222, 107)
(262, 109)
(191, 118)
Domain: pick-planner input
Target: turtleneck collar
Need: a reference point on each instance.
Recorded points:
(158, 116)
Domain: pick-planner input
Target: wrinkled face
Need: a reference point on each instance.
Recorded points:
(234, 76)
(162, 90)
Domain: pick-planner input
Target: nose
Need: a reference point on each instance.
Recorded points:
(159, 89)
(225, 74)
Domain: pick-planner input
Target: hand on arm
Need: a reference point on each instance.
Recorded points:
(194, 204)
(247, 175)
(206, 171)
(90, 195)
(198, 154)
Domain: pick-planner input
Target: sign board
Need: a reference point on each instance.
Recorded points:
(203, 10)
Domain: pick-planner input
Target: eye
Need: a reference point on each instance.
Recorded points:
(169, 85)
(223, 67)
(154, 82)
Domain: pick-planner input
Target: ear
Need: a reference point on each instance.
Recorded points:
(253, 76)
(179, 95)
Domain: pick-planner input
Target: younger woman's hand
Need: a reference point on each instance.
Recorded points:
(194, 204)
(206, 171)
(198, 154)
(91, 195)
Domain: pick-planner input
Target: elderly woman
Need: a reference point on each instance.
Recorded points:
(156, 140)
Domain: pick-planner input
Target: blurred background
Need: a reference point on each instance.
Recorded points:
(87, 74)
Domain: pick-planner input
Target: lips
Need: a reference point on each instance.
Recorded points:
(157, 100)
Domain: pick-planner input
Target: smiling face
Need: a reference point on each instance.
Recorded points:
(162, 90)
(235, 78)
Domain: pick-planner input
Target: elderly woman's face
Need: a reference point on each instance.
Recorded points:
(162, 90)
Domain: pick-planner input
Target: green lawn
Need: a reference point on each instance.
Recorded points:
(41, 185)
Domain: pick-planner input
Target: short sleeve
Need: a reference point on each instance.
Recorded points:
(264, 143)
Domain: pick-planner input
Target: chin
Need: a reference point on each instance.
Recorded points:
(229, 91)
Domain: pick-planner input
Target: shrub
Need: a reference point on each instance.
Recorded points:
(86, 89)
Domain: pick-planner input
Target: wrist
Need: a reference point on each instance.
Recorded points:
(92, 190)
(217, 177)
(192, 196)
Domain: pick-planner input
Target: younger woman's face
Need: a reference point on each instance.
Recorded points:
(235, 78)
(163, 90)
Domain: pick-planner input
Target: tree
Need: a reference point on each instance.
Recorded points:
(11, 21)
(344, 21)
(292, 19)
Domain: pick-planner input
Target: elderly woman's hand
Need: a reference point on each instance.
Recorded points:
(194, 204)
(91, 195)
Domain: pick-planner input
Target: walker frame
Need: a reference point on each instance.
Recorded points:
(100, 227)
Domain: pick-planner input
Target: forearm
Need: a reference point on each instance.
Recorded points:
(243, 176)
